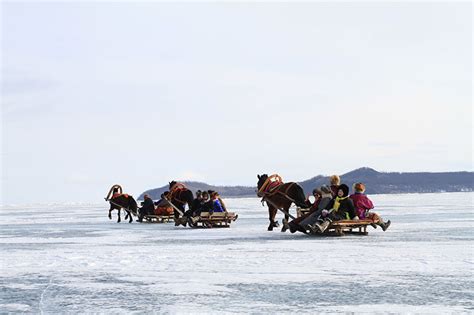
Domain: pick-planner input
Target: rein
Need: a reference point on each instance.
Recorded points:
(173, 206)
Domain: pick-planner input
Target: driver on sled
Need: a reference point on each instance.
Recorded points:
(148, 208)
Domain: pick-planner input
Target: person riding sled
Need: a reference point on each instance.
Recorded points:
(363, 206)
(341, 208)
(148, 208)
(217, 203)
(301, 224)
(335, 181)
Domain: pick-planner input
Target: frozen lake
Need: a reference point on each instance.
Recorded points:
(72, 258)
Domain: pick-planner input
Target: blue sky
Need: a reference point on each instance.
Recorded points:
(95, 94)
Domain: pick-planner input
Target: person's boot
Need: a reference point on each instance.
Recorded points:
(195, 219)
(293, 228)
(385, 225)
(190, 221)
(314, 228)
(323, 226)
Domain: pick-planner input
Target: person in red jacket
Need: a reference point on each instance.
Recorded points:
(363, 205)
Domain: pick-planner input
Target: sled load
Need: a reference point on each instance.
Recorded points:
(339, 228)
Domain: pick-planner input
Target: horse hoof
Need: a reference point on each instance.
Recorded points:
(110, 217)
(270, 228)
(284, 228)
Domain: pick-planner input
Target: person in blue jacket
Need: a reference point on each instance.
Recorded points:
(217, 205)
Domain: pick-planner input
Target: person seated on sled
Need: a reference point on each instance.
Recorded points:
(340, 208)
(194, 209)
(335, 181)
(363, 205)
(162, 206)
(217, 205)
(317, 196)
(147, 208)
(302, 223)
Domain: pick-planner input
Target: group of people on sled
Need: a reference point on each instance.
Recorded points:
(333, 203)
(205, 201)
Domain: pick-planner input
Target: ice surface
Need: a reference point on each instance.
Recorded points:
(72, 258)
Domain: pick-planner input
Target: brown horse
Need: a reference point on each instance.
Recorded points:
(280, 197)
(118, 200)
(179, 196)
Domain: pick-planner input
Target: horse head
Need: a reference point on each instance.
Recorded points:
(261, 180)
(172, 183)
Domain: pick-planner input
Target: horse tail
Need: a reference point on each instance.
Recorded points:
(299, 197)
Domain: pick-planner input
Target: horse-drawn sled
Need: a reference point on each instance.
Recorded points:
(280, 196)
(202, 212)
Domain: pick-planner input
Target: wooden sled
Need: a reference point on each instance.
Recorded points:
(216, 219)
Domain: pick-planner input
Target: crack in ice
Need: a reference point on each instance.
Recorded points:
(42, 295)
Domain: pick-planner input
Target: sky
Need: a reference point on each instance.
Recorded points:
(139, 94)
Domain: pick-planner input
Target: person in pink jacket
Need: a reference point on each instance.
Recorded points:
(363, 205)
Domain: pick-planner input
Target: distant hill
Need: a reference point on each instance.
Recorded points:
(376, 183)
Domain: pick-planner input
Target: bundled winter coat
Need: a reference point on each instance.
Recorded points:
(342, 207)
(324, 202)
(362, 204)
(217, 206)
(148, 207)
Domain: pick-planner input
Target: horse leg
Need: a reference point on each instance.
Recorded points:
(118, 221)
(130, 216)
(285, 226)
(271, 216)
(110, 212)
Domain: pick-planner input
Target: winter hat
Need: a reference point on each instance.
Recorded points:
(317, 191)
(345, 189)
(359, 187)
(325, 189)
